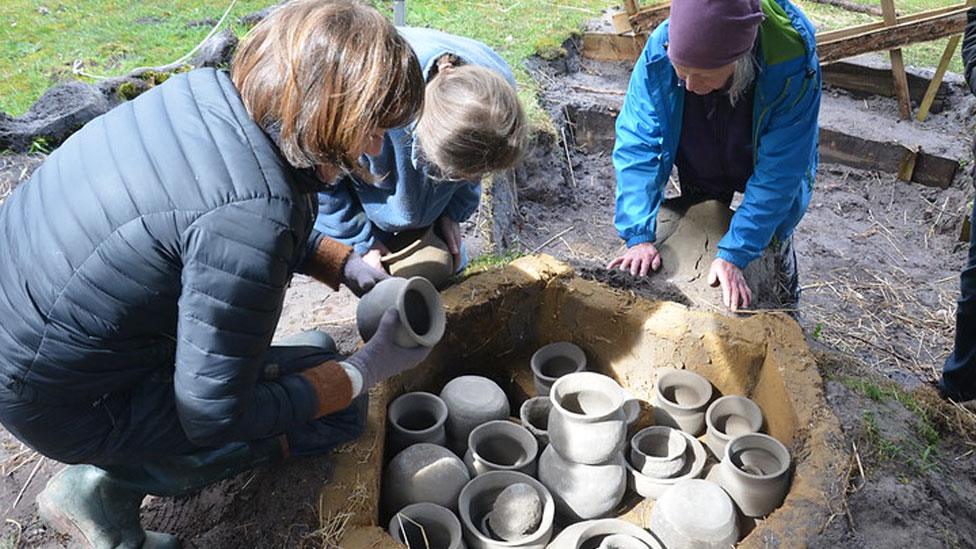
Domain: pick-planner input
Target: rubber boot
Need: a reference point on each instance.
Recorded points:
(85, 502)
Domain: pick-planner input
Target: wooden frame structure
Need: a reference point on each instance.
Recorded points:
(634, 23)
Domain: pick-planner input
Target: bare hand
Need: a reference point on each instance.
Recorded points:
(451, 230)
(374, 257)
(639, 259)
(735, 291)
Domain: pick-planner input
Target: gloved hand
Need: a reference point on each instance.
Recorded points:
(359, 276)
(381, 358)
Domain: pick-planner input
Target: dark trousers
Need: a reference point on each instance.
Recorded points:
(959, 371)
(147, 448)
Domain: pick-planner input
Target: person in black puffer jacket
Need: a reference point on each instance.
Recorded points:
(959, 371)
(144, 265)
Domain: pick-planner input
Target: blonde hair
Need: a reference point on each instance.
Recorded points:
(326, 74)
(472, 123)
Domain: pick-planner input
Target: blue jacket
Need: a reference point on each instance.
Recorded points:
(403, 196)
(785, 134)
(161, 235)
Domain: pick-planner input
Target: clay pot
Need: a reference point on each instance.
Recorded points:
(424, 473)
(501, 445)
(418, 304)
(583, 491)
(471, 401)
(680, 399)
(589, 417)
(554, 361)
(420, 253)
(653, 488)
(755, 472)
(534, 415)
(516, 513)
(658, 452)
(695, 514)
(426, 525)
(479, 498)
(729, 417)
(416, 417)
(605, 534)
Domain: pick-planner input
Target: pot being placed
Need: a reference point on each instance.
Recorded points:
(426, 525)
(554, 361)
(501, 445)
(695, 514)
(534, 415)
(420, 253)
(589, 417)
(658, 451)
(471, 401)
(680, 399)
(581, 491)
(729, 417)
(416, 417)
(755, 472)
(418, 305)
(478, 500)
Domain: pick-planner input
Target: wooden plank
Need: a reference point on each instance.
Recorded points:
(647, 19)
(930, 94)
(630, 6)
(900, 35)
(850, 6)
(909, 163)
(876, 79)
(868, 27)
(621, 22)
(898, 65)
(603, 46)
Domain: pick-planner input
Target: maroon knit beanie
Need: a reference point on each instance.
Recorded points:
(708, 34)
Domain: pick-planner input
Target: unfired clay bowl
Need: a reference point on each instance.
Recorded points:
(553, 361)
(695, 514)
(426, 524)
(653, 488)
(501, 445)
(658, 451)
(478, 499)
(729, 417)
(595, 533)
(534, 415)
(755, 472)
(680, 399)
(418, 305)
(416, 417)
(420, 253)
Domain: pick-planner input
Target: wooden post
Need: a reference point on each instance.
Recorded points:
(630, 6)
(898, 64)
(923, 108)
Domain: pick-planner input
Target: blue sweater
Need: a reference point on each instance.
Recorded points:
(784, 130)
(403, 197)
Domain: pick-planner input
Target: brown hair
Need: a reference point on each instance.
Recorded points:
(472, 123)
(326, 74)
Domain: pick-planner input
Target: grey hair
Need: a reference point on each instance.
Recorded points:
(743, 75)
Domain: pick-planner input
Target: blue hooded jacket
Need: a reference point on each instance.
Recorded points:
(403, 196)
(785, 134)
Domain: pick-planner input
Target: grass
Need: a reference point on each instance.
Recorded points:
(40, 40)
(489, 262)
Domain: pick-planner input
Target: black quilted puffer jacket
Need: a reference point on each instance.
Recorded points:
(162, 233)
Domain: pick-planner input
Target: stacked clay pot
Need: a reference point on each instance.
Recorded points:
(583, 466)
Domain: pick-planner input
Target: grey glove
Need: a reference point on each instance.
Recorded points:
(380, 358)
(359, 276)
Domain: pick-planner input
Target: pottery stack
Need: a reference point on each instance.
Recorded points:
(583, 466)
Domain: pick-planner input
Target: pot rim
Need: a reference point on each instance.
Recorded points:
(548, 506)
(751, 404)
(764, 442)
(652, 431)
(540, 402)
(432, 300)
(684, 378)
(440, 412)
(522, 435)
(440, 512)
(409, 249)
(699, 457)
(569, 350)
(617, 397)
